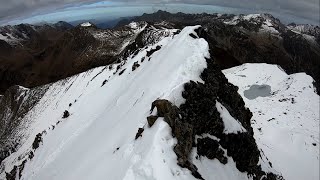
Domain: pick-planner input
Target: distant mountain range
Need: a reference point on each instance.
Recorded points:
(33, 55)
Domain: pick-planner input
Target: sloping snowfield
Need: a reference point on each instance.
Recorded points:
(286, 123)
(97, 140)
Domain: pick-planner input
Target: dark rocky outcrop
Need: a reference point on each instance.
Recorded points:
(14, 105)
(210, 148)
(66, 114)
(139, 133)
(37, 141)
(151, 120)
(135, 66)
(149, 53)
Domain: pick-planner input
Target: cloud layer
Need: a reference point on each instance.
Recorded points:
(306, 9)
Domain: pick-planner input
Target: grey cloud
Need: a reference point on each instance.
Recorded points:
(16, 8)
(307, 9)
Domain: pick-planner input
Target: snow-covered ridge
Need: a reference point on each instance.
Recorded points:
(305, 29)
(267, 22)
(119, 101)
(285, 123)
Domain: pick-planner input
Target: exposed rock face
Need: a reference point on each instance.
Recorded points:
(151, 120)
(14, 105)
(210, 148)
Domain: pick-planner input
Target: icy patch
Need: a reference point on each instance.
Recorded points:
(257, 91)
(231, 125)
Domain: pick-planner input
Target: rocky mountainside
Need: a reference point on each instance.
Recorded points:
(63, 53)
(18, 34)
(255, 38)
(149, 100)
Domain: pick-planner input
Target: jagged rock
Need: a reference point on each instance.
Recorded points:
(31, 155)
(243, 149)
(37, 141)
(151, 120)
(180, 130)
(121, 72)
(193, 36)
(149, 53)
(14, 105)
(16, 172)
(139, 133)
(210, 148)
(12, 174)
(66, 114)
(135, 66)
(104, 82)
(163, 107)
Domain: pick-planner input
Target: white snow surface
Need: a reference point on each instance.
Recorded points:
(9, 38)
(285, 124)
(97, 140)
(231, 125)
(86, 24)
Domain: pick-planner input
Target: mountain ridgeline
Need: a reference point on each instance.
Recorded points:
(35, 55)
(84, 108)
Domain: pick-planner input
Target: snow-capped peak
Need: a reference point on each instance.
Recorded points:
(86, 24)
(133, 25)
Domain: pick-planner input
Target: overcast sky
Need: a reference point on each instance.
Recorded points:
(16, 11)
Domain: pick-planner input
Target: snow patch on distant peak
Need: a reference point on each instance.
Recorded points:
(231, 125)
(251, 16)
(236, 19)
(137, 27)
(9, 38)
(133, 25)
(86, 24)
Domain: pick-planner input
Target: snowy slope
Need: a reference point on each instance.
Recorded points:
(97, 139)
(285, 123)
(86, 24)
(108, 105)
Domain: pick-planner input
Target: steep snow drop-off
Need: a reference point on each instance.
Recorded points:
(106, 109)
(285, 123)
